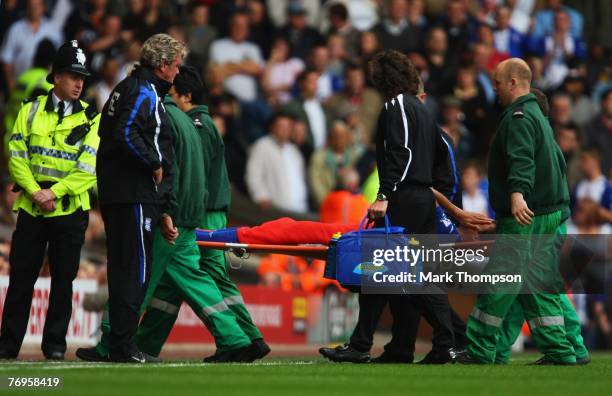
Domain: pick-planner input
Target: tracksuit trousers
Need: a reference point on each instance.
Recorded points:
(533, 252)
(184, 280)
(129, 238)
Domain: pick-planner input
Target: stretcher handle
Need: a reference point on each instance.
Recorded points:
(366, 221)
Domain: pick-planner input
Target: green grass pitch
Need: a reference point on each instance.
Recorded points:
(313, 376)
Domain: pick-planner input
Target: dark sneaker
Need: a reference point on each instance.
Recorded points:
(545, 361)
(583, 361)
(136, 357)
(55, 355)
(390, 358)
(438, 357)
(239, 355)
(5, 355)
(466, 358)
(151, 358)
(90, 355)
(345, 353)
(260, 348)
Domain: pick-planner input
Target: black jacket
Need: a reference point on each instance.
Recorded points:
(135, 141)
(405, 144)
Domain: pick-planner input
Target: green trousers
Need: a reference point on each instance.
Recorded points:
(513, 323)
(157, 323)
(533, 252)
(182, 279)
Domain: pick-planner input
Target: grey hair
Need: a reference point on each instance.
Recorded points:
(161, 49)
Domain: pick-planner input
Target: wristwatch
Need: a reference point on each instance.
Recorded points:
(381, 197)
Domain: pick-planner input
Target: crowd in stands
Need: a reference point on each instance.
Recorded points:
(288, 89)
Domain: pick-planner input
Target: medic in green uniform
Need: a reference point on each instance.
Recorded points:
(529, 193)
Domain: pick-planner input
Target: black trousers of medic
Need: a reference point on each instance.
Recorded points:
(62, 238)
(412, 207)
(129, 235)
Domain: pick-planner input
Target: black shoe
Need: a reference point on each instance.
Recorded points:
(55, 355)
(390, 358)
(466, 358)
(260, 348)
(151, 358)
(545, 361)
(239, 355)
(345, 353)
(438, 357)
(583, 361)
(90, 355)
(136, 357)
(5, 355)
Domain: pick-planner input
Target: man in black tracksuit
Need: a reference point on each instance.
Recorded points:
(135, 155)
(405, 152)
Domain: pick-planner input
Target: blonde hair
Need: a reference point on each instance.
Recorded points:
(161, 49)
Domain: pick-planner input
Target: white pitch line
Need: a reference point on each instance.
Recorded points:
(46, 366)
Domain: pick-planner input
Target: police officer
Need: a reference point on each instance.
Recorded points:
(52, 158)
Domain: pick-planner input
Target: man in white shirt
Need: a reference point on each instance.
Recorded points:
(595, 185)
(275, 172)
(22, 39)
(241, 60)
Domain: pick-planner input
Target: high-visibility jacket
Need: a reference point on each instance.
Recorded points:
(39, 152)
(29, 84)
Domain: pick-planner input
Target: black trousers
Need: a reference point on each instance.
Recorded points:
(62, 237)
(413, 208)
(129, 235)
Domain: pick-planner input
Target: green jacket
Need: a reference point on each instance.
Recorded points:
(525, 158)
(187, 198)
(218, 194)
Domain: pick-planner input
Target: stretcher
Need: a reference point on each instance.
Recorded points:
(318, 252)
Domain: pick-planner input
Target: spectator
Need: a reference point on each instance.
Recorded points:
(544, 21)
(599, 132)
(582, 108)
(200, 35)
(341, 25)
(22, 39)
(396, 32)
(261, 28)
(308, 108)
(101, 91)
(108, 44)
(452, 124)
(84, 22)
(239, 59)
(301, 38)
(345, 204)
(560, 109)
(439, 66)
(595, 185)
(473, 198)
(328, 82)
(477, 112)
(281, 71)
(281, 11)
(327, 164)
(460, 29)
(507, 39)
(366, 101)
(558, 48)
(145, 18)
(337, 56)
(275, 172)
(368, 46)
(416, 14)
(30, 84)
(568, 139)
